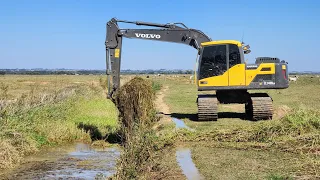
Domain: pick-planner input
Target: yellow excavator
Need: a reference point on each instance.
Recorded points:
(220, 68)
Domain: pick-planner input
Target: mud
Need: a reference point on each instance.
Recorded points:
(78, 161)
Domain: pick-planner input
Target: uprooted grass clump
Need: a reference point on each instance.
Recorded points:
(135, 101)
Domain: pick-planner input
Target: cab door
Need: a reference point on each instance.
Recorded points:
(236, 70)
(213, 66)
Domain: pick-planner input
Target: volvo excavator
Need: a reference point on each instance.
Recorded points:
(222, 74)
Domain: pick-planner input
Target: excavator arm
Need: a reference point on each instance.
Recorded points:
(170, 32)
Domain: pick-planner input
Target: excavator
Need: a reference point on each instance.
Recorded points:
(221, 74)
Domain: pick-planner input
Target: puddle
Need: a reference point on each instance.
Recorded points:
(79, 161)
(185, 162)
(183, 156)
(180, 124)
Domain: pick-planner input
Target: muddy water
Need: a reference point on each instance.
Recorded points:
(180, 123)
(187, 166)
(183, 156)
(79, 161)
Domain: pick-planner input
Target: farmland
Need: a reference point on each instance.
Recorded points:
(39, 112)
(285, 147)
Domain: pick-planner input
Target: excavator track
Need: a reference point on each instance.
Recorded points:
(260, 107)
(207, 108)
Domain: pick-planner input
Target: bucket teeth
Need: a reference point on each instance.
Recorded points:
(207, 108)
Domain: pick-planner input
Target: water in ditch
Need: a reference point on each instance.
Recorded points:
(183, 156)
(77, 161)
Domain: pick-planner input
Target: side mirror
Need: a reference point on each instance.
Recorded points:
(247, 51)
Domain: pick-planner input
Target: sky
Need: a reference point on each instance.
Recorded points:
(71, 34)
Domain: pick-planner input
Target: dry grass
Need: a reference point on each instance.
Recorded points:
(47, 112)
(9, 155)
(142, 147)
(135, 102)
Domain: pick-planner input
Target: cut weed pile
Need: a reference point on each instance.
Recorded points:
(135, 101)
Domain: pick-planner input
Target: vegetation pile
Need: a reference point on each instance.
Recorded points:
(135, 101)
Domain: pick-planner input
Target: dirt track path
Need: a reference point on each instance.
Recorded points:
(162, 107)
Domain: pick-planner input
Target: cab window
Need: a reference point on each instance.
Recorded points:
(213, 61)
(234, 55)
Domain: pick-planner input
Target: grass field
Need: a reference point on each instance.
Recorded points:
(42, 111)
(287, 146)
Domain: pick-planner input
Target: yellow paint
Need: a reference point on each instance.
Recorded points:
(117, 53)
(234, 77)
(237, 75)
(238, 43)
(284, 67)
(221, 80)
(251, 73)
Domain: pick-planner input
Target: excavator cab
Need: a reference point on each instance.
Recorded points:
(222, 67)
(216, 58)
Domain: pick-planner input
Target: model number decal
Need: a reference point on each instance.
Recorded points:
(148, 36)
(252, 66)
(268, 83)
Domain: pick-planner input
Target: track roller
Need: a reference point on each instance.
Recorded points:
(207, 108)
(259, 107)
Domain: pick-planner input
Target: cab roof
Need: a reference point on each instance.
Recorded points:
(238, 43)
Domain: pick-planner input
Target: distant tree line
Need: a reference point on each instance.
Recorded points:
(88, 72)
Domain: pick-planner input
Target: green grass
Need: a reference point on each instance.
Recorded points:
(278, 177)
(63, 112)
(96, 112)
(294, 131)
(156, 86)
(223, 163)
(20, 84)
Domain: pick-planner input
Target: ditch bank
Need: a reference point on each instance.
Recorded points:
(39, 124)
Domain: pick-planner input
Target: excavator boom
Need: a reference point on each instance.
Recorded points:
(169, 32)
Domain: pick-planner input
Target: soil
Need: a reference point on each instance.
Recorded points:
(281, 112)
(162, 107)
